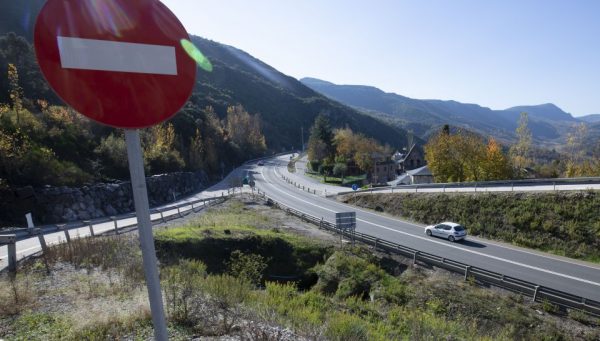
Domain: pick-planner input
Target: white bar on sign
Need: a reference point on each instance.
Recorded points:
(105, 55)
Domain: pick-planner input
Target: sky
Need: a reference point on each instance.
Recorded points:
(495, 53)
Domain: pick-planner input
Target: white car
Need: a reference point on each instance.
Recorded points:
(447, 230)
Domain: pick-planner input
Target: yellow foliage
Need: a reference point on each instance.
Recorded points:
(465, 157)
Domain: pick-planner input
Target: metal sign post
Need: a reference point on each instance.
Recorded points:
(346, 221)
(131, 75)
(142, 209)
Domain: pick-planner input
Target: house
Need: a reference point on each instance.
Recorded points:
(384, 169)
(415, 158)
(420, 175)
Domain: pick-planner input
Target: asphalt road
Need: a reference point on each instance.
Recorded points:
(576, 277)
(572, 276)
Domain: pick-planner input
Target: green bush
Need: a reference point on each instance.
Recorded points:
(182, 285)
(345, 274)
(343, 327)
(248, 266)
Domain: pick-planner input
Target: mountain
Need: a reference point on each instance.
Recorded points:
(547, 112)
(547, 122)
(19, 16)
(285, 104)
(593, 118)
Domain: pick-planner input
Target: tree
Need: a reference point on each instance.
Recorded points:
(196, 151)
(340, 169)
(244, 131)
(320, 142)
(465, 157)
(15, 50)
(113, 153)
(521, 151)
(496, 165)
(160, 153)
(15, 91)
(577, 165)
(441, 159)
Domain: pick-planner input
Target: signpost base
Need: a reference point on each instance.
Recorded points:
(142, 209)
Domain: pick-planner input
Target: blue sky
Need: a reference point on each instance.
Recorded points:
(494, 53)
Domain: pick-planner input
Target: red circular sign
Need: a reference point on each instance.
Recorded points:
(119, 62)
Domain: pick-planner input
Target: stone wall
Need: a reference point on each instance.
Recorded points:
(62, 204)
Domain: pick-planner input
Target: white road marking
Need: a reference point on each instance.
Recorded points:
(105, 55)
(445, 244)
(482, 240)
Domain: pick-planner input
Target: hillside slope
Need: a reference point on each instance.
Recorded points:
(284, 103)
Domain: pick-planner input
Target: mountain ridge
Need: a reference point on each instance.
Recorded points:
(547, 122)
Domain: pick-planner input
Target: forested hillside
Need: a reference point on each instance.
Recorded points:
(241, 110)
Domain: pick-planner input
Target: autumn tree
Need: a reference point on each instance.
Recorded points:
(357, 147)
(464, 156)
(160, 153)
(196, 151)
(577, 163)
(520, 152)
(15, 91)
(495, 165)
(16, 51)
(244, 131)
(442, 158)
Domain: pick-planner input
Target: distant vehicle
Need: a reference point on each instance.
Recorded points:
(260, 163)
(447, 230)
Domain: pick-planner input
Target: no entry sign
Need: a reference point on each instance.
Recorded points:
(121, 63)
(118, 62)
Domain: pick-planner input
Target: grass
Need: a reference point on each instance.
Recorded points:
(565, 224)
(353, 295)
(214, 236)
(355, 299)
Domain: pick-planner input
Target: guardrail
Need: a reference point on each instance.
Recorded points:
(161, 215)
(537, 292)
(487, 184)
(302, 187)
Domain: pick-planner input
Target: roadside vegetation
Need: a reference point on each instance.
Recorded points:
(461, 155)
(234, 272)
(340, 153)
(563, 223)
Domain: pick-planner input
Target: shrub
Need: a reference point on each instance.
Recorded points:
(16, 295)
(225, 294)
(182, 285)
(248, 266)
(343, 327)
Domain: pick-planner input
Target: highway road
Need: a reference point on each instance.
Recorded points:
(572, 276)
(568, 275)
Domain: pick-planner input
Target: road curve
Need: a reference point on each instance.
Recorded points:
(568, 275)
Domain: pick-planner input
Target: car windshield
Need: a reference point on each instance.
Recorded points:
(459, 228)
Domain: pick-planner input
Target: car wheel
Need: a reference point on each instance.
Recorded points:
(451, 238)
(428, 232)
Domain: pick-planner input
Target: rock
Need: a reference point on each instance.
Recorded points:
(69, 215)
(83, 215)
(109, 210)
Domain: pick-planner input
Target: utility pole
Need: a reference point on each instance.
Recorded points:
(302, 136)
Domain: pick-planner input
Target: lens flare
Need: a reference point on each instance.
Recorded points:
(196, 55)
